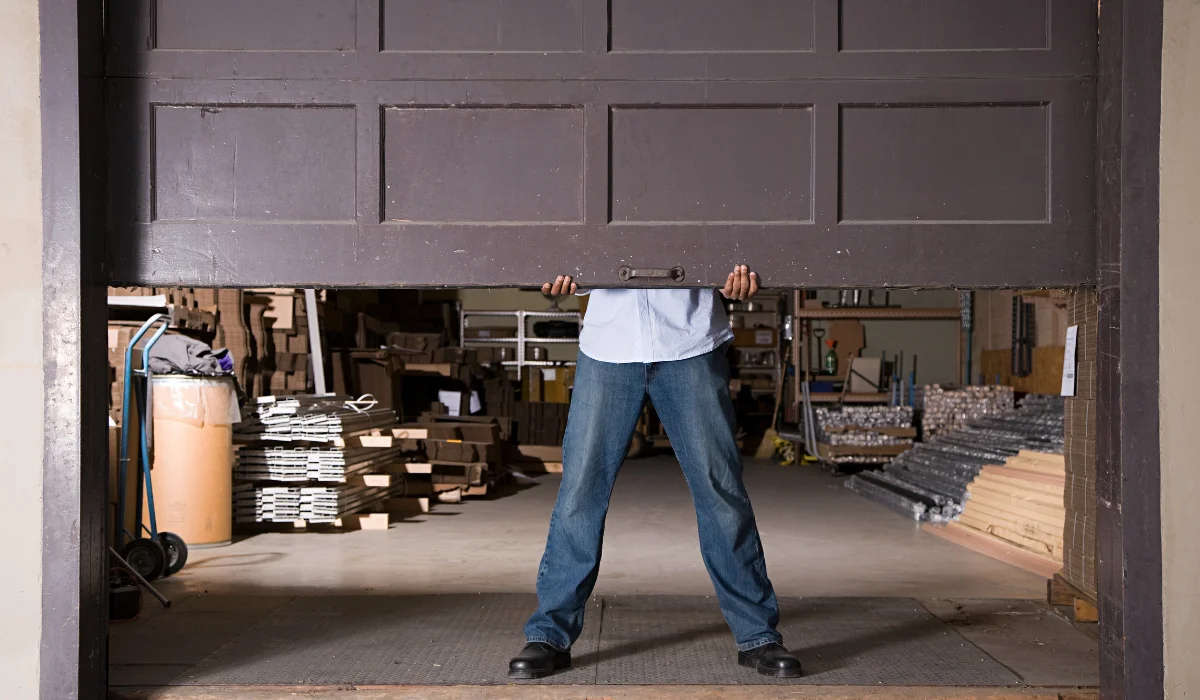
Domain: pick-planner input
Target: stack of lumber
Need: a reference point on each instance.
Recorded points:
(1020, 504)
(947, 410)
(930, 481)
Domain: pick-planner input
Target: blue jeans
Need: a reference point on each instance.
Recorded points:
(692, 400)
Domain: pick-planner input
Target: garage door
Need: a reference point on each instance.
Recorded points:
(500, 142)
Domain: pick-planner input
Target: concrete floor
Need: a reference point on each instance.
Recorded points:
(820, 540)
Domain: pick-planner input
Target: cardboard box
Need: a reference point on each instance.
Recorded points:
(557, 383)
(755, 337)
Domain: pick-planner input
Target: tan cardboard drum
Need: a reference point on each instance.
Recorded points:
(192, 457)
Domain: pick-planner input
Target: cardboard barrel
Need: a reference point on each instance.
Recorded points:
(192, 458)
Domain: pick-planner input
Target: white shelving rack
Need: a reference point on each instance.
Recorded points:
(524, 336)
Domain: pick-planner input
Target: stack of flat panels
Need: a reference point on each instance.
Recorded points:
(266, 504)
(325, 504)
(281, 481)
(319, 419)
(929, 482)
(289, 464)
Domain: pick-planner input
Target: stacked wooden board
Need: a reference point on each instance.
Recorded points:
(1020, 504)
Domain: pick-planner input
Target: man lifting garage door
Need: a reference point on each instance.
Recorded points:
(668, 344)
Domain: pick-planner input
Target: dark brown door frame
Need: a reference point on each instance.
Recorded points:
(1129, 520)
(73, 643)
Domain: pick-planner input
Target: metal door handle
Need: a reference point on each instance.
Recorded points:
(674, 274)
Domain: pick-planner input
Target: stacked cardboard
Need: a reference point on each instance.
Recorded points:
(539, 422)
(1079, 536)
(467, 456)
(233, 333)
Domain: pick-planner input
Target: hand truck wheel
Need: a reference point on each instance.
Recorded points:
(176, 552)
(145, 556)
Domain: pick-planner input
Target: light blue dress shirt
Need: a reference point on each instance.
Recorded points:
(653, 325)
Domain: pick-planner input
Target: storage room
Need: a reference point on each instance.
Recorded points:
(308, 445)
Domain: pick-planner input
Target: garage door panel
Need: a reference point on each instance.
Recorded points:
(945, 25)
(582, 39)
(712, 164)
(382, 255)
(711, 25)
(232, 254)
(493, 256)
(619, 168)
(254, 25)
(987, 163)
(489, 164)
(916, 255)
(227, 162)
(481, 25)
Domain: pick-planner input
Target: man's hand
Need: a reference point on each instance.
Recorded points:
(741, 284)
(561, 286)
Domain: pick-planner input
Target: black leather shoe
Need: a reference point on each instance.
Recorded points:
(537, 660)
(771, 660)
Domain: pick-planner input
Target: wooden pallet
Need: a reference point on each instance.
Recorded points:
(1079, 608)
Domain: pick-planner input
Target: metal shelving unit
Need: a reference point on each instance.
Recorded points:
(803, 328)
(524, 337)
(775, 369)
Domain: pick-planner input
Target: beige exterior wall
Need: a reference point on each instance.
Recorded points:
(1179, 319)
(21, 347)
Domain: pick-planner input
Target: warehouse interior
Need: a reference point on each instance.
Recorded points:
(921, 526)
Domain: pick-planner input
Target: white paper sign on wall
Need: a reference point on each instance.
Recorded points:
(1068, 380)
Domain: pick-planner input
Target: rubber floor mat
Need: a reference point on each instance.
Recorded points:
(468, 639)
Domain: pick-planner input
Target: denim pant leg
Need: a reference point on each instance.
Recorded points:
(605, 407)
(692, 399)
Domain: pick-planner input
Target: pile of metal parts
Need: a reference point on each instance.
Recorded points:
(273, 463)
(313, 418)
(950, 409)
(865, 426)
(929, 482)
(865, 417)
(865, 438)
